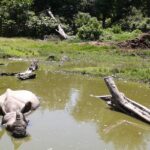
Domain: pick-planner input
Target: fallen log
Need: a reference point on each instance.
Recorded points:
(7, 74)
(28, 74)
(119, 101)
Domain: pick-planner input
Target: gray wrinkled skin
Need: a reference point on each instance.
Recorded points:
(14, 105)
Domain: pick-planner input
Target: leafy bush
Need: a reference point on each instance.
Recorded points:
(136, 20)
(82, 19)
(13, 15)
(41, 25)
(109, 35)
(116, 29)
(88, 27)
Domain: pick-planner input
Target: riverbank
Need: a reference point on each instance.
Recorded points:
(84, 58)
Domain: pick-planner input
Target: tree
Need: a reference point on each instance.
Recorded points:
(104, 9)
(146, 8)
(13, 16)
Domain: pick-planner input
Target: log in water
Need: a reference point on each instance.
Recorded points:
(120, 102)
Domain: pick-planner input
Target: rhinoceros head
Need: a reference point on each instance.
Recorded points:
(16, 122)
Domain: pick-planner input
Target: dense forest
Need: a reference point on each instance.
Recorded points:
(85, 18)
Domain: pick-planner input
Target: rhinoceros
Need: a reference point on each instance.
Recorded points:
(14, 106)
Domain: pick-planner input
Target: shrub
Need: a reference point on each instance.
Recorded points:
(89, 28)
(116, 29)
(135, 20)
(13, 15)
(41, 25)
(82, 19)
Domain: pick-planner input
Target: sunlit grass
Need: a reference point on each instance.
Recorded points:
(84, 58)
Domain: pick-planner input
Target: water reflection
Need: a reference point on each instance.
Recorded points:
(73, 99)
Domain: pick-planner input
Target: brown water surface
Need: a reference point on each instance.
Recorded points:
(70, 119)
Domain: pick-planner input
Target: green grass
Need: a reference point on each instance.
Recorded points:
(84, 58)
(108, 35)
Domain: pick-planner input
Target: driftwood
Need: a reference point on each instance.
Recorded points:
(60, 30)
(28, 74)
(119, 101)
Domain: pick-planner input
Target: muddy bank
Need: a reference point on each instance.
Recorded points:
(143, 42)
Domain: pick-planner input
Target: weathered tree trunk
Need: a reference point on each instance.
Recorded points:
(118, 101)
(60, 30)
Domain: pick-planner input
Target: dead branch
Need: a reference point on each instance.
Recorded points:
(60, 30)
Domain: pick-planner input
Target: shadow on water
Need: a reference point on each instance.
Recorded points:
(69, 118)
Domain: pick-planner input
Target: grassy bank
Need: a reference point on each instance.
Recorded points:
(84, 58)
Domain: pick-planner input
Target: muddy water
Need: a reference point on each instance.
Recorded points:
(69, 119)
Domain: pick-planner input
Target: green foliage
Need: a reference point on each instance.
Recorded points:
(29, 17)
(82, 19)
(136, 20)
(14, 14)
(84, 58)
(109, 35)
(88, 27)
(38, 26)
(116, 29)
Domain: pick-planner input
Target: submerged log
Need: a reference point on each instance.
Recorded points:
(120, 102)
(7, 74)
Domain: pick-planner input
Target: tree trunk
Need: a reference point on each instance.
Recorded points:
(103, 21)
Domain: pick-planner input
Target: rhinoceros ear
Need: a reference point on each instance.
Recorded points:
(26, 108)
